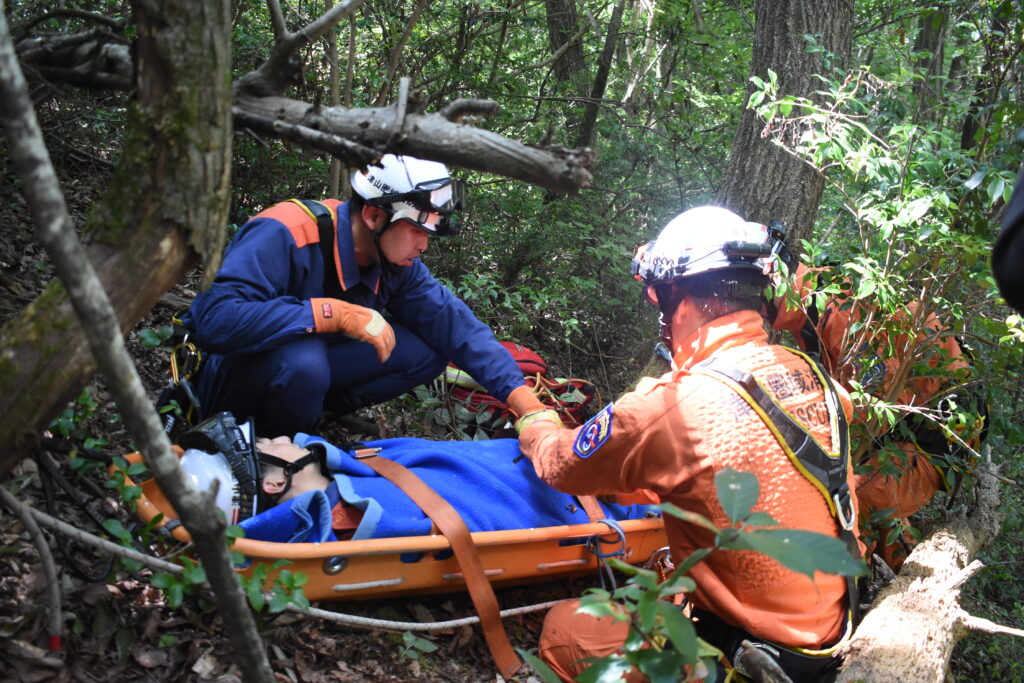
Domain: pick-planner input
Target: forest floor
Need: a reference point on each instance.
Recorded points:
(117, 626)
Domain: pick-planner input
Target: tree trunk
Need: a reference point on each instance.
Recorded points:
(150, 226)
(764, 182)
(604, 66)
(563, 23)
(930, 41)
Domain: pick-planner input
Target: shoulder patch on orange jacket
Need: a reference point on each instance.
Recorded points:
(594, 433)
(303, 228)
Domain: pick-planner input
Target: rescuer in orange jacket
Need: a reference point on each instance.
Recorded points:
(904, 467)
(671, 435)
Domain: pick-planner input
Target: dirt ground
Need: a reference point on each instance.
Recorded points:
(116, 626)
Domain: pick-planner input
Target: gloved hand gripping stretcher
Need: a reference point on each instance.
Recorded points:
(521, 529)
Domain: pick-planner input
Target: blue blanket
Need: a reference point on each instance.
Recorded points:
(490, 483)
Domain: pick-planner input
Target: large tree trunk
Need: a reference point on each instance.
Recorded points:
(762, 181)
(167, 202)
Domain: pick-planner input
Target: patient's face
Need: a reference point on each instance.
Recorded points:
(274, 481)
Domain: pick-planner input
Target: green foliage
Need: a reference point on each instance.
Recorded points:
(414, 647)
(177, 586)
(123, 478)
(285, 587)
(662, 641)
(152, 337)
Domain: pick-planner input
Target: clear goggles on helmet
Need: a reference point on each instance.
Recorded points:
(432, 204)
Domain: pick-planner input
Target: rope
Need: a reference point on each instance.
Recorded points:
(366, 622)
(593, 545)
(157, 564)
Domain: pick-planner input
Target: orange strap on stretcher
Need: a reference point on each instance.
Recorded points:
(591, 507)
(448, 521)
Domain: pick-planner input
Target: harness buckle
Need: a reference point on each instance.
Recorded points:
(844, 508)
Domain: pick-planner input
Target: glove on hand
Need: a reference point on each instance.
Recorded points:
(359, 322)
(522, 400)
(536, 416)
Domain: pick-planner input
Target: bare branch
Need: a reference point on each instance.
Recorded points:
(467, 107)
(277, 20)
(985, 626)
(352, 153)
(70, 14)
(56, 231)
(432, 136)
(280, 69)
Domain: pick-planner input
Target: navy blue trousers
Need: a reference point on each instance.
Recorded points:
(286, 388)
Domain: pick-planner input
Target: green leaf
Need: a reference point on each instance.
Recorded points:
(805, 551)
(737, 493)
(687, 516)
(547, 675)
(163, 580)
(995, 189)
(175, 595)
(680, 630)
(607, 670)
(117, 530)
(975, 180)
(761, 519)
(255, 592)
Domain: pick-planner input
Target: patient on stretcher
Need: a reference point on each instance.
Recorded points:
(312, 491)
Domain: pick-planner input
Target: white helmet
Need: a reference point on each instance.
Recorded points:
(705, 239)
(414, 190)
(219, 448)
(203, 469)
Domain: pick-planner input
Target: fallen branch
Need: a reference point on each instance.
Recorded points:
(910, 633)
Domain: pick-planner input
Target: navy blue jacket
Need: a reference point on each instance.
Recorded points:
(274, 266)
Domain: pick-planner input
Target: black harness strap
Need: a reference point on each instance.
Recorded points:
(326, 225)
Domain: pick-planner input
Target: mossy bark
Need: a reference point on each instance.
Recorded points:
(166, 205)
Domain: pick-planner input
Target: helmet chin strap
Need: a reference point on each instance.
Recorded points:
(669, 298)
(387, 267)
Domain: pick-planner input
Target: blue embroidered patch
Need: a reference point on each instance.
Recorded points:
(594, 433)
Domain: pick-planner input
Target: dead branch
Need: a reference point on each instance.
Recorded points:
(432, 136)
(351, 153)
(461, 107)
(910, 633)
(281, 68)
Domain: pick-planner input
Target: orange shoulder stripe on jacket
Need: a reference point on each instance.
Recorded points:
(303, 228)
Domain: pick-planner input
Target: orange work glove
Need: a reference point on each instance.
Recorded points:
(358, 322)
(522, 400)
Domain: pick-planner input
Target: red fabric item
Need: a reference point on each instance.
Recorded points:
(549, 391)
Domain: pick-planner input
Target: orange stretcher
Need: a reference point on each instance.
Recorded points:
(377, 568)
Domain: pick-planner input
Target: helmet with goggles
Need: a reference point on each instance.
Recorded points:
(703, 240)
(220, 449)
(414, 190)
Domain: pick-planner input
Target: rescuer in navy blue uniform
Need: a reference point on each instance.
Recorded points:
(284, 334)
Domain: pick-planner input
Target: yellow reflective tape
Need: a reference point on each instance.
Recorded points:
(461, 378)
